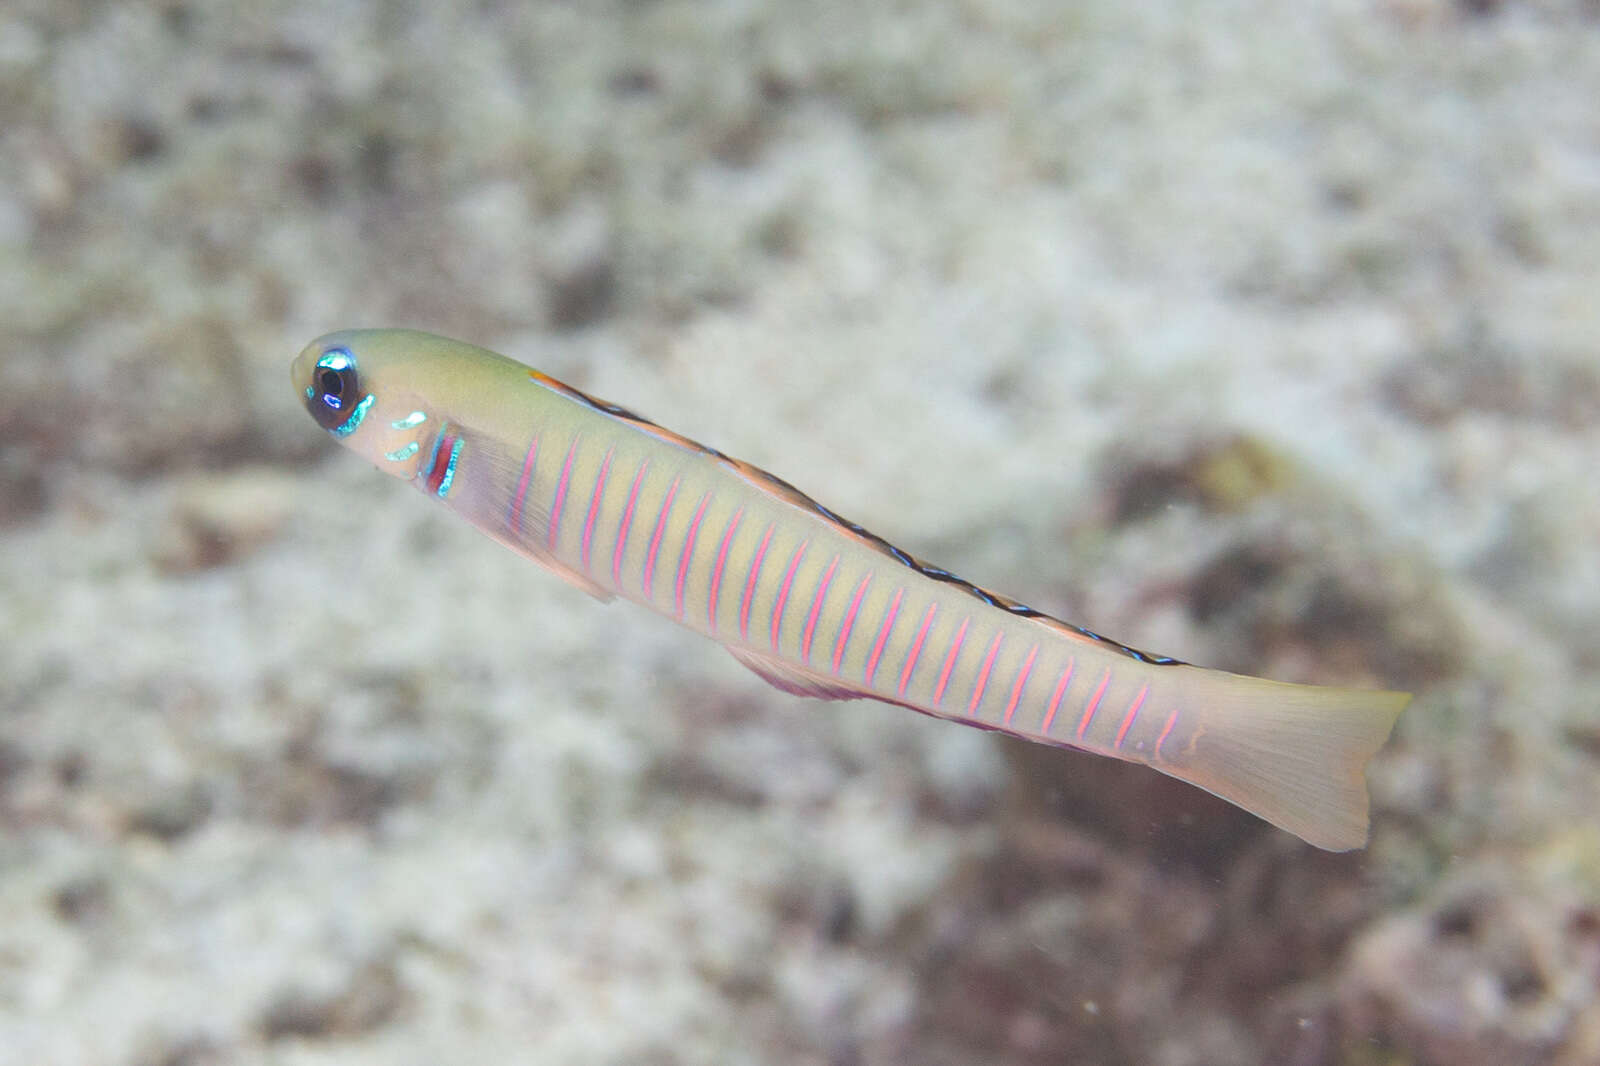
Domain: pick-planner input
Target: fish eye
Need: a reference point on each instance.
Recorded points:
(334, 396)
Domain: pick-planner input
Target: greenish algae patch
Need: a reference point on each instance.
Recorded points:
(1240, 471)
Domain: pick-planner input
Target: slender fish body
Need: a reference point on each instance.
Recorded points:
(813, 603)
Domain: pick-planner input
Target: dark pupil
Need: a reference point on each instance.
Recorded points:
(330, 383)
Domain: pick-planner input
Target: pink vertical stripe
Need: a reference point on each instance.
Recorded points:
(849, 622)
(716, 571)
(783, 591)
(949, 662)
(983, 676)
(1094, 701)
(1133, 712)
(688, 550)
(816, 609)
(561, 493)
(883, 636)
(1022, 680)
(916, 649)
(515, 518)
(647, 586)
(1162, 739)
(594, 507)
(1055, 697)
(750, 585)
(627, 523)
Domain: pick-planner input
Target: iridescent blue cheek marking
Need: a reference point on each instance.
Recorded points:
(355, 418)
(415, 418)
(424, 469)
(450, 469)
(400, 455)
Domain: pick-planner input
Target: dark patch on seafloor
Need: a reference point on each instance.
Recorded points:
(1325, 595)
(1219, 475)
(83, 900)
(189, 1049)
(307, 786)
(1322, 600)
(138, 410)
(1108, 876)
(1477, 374)
(370, 998)
(1275, 599)
(1026, 956)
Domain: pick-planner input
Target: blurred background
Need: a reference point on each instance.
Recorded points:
(1258, 334)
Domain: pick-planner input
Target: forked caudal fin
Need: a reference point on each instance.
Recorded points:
(1295, 755)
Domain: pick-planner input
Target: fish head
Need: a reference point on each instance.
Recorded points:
(356, 384)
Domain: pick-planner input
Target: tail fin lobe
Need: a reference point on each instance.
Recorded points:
(1295, 755)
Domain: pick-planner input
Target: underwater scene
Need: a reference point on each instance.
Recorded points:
(1255, 336)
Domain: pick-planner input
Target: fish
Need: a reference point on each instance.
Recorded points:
(811, 602)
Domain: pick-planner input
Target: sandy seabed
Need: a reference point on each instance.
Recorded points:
(1263, 335)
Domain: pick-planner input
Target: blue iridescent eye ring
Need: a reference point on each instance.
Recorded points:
(355, 418)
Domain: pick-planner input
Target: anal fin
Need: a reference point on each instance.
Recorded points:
(796, 680)
(573, 578)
